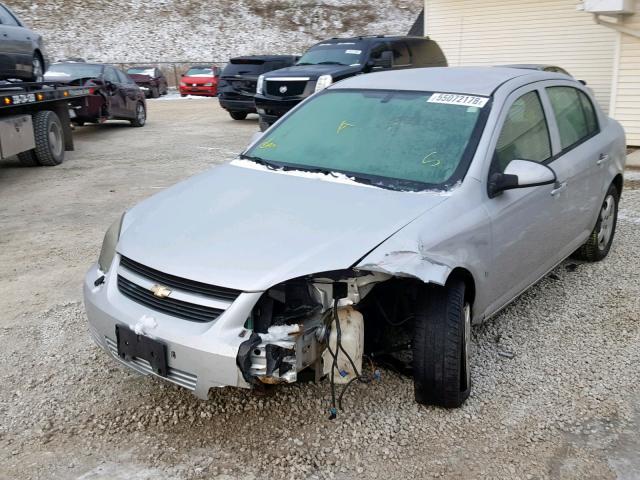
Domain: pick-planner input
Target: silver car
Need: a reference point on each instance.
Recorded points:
(408, 202)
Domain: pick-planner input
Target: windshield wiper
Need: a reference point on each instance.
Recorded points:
(330, 63)
(260, 161)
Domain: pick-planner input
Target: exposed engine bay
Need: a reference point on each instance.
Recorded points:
(305, 323)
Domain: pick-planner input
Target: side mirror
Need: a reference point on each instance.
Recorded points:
(385, 60)
(583, 82)
(521, 174)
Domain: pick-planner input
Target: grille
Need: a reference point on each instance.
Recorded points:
(294, 88)
(184, 379)
(183, 284)
(170, 306)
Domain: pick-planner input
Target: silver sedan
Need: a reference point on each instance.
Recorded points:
(387, 212)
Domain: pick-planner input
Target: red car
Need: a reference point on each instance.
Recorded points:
(200, 80)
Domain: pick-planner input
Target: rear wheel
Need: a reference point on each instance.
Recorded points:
(141, 116)
(37, 68)
(29, 159)
(441, 342)
(599, 242)
(49, 140)
(238, 115)
(154, 92)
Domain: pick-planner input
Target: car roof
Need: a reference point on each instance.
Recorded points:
(82, 64)
(142, 66)
(468, 80)
(372, 38)
(266, 58)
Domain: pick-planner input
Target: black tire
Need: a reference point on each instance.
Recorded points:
(49, 139)
(238, 115)
(29, 159)
(78, 123)
(154, 92)
(183, 94)
(141, 116)
(37, 68)
(599, 242)
(440, 346)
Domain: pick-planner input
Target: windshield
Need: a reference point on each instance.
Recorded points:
(141, 71)
(199, 72)
(332, 53)
(400, 140)
(73, 71)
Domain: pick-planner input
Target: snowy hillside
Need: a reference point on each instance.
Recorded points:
(201, 30)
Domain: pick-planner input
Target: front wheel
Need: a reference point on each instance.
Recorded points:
(238, 115)
(599, 242)
(141, 116)
(155, 92)
(441, 342)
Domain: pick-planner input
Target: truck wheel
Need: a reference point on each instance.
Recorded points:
(141, 116)
(28, 158)
(238, 115)
(49, 140)
(599, 242)
(441, 342)
(154, 92)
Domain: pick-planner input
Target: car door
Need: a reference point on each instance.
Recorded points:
(114, 92)
(524, 221)
(130, 93)
(581, 156)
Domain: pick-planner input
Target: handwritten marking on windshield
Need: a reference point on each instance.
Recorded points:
(268, 144)
(343, 125)
(432, 162)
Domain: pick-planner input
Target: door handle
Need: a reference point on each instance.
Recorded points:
(558, 187)
(602, 158)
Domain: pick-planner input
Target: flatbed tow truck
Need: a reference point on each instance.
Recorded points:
(35, 122)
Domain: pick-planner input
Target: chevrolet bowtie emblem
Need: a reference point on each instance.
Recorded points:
(160, 291)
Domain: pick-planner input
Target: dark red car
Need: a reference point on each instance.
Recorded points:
(151, 80)
(114, 95)
(200, 80)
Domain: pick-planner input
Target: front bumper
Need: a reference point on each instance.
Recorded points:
(201, 355)
(198, 90)
(248, 105)
(271, 109)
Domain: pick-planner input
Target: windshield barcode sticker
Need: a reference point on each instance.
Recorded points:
(455, 99)
(353, 52)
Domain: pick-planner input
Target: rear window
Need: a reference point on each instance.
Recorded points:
(247, 67)
(72, 71)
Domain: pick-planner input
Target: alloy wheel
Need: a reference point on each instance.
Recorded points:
(607, 219)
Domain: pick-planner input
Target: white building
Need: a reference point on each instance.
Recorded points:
(595, 40)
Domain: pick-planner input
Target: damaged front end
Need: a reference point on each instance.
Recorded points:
(291, 325)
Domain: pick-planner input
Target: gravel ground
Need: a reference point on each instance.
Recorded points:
(555, 374)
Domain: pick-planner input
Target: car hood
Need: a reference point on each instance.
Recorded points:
(314, 71)
(250, 229)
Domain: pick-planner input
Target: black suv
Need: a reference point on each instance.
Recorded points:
(237, 84)
(336, 59)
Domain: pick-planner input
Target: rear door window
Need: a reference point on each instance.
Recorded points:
(524, 135)
(401, 54)
(575, 123)
(110, 75)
